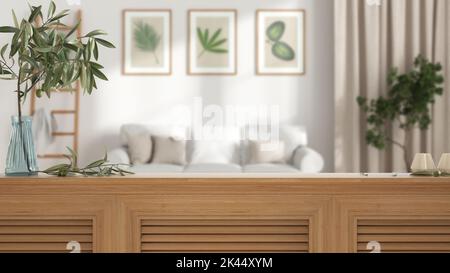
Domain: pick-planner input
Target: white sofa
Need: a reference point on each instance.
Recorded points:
(299, 157)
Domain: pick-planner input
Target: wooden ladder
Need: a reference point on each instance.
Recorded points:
(75, 93)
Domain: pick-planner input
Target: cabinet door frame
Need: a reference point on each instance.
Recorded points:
(133, 209)
(352, 209)
(39, 207)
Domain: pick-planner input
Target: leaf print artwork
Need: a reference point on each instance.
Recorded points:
(146, 38)
(280, 49)
(213, 44)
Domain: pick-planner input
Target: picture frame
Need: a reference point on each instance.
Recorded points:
(147, 42)
(281, 42)
(212, 42)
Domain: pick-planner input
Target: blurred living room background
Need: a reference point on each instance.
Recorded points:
(350, 47)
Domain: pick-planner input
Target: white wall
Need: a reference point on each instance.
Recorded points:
(306, 100)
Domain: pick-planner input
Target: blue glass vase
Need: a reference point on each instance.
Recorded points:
(21, 159)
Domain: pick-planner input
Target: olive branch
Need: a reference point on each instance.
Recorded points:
(97, 168)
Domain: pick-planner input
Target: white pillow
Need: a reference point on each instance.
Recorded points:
(140, 148)
(217, 152)
(293, 137)
(262, 152)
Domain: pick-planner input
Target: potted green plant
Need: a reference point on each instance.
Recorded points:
(42, 58)
(406, 104)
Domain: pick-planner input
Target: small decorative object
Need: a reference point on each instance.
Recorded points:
(212, 42)
(280, 42)
(42, 58)
(407, 105)
(444, 165)
(97, 168)
(147, 42)
(423, 164)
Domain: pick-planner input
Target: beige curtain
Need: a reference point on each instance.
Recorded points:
(369, 40)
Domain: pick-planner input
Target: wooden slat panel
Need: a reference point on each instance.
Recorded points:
(40, 246)
(224, 223)
(211, 238)
(49, 222)
(404, 229)
(224, 235)
(45, 238)
(45, 230)
(225, 230)
(225, 246)
(407, 235)
(410, 246)
(44, 235)
(403, 238)
(393, 222)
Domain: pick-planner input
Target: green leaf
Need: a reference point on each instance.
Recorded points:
(60, 15)
(216, 35)
(57, 168)
(74, 157)
(30, 61)
(96, 65)
(34, 14)
(51, 9)
(95, 33)
(219, 51)
(96, 164)
(99, 74)
(16, 22)
(43, 49)
(72, 30)
(283, 51)
(146, 37)
(3, 51)
(211, 44)
(200, 37)
(7, 29)
(105, 43)
(218, 43)
(275, 31)
(95, 51)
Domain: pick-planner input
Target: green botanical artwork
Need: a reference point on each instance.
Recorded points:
(146, 38)
(211, 44)
(280, 49)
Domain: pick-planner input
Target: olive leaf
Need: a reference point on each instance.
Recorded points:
(146, 38)
(97, 168)
(275, 31)
(212, 44)
(280, 49)
(283, 51)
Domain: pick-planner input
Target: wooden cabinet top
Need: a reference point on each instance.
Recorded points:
(228, 184)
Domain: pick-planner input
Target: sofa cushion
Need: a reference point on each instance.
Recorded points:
(167, 150)
(269, 168)
(291, 135)
(213, 168)
(157, 168)
(140, 148)
(262, 152)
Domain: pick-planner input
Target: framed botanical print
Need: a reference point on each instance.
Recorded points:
(280, 42)
(212, 42)
(147, 42)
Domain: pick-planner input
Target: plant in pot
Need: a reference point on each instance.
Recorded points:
(407, 104)
(42, 58)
